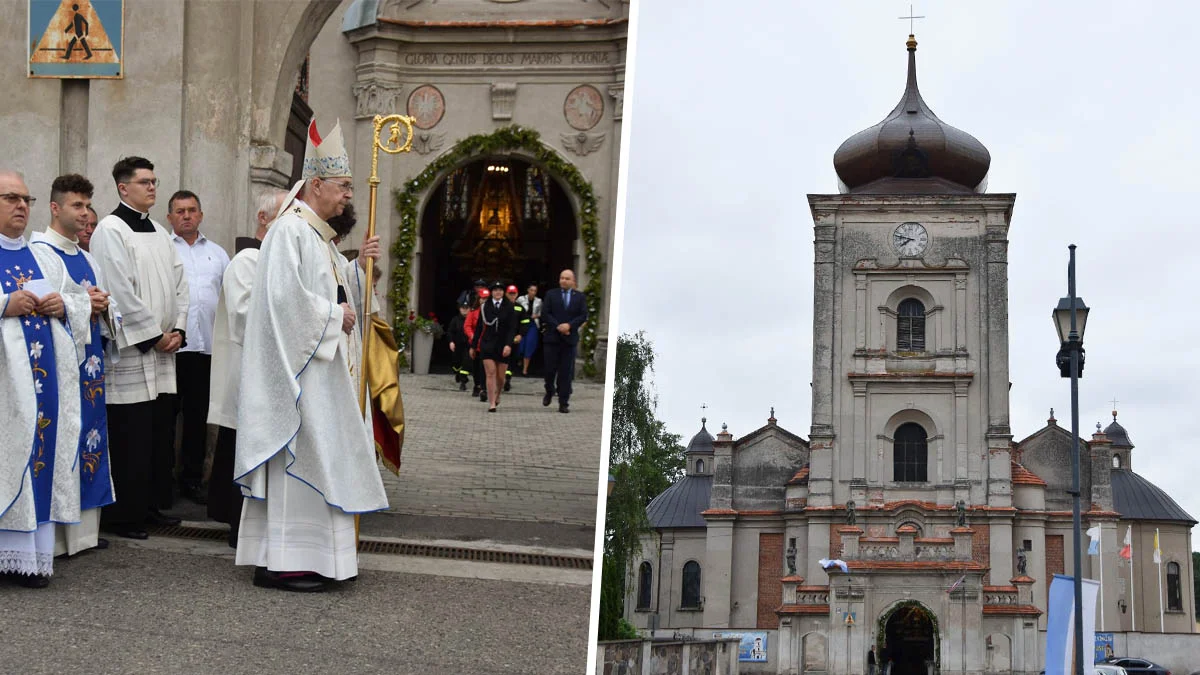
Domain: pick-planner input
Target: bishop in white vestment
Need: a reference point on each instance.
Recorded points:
(305, 454)
(43, 334)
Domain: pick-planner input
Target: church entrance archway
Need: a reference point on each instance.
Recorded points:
(909, 639)
(496, 217)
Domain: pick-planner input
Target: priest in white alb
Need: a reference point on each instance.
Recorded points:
(43, 334)
(305, 454)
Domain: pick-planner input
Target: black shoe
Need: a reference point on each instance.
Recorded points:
(157, 517)
(311, 583)
(129, 532)
(547, 398)
(564, 408)
(491, 410)
(193, 493)
(462, 386)
(33, 580)
(101, 543)
(483, 397)
(475, 391)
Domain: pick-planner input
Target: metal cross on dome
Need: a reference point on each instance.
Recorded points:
(910, 18)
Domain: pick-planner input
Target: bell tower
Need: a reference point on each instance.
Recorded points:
(910, 336)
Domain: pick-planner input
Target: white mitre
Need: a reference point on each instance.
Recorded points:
(323, 158)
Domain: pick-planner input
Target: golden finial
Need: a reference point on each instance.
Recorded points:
(912, 41)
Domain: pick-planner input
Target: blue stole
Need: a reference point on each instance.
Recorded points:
(94, 481)
(17, 268)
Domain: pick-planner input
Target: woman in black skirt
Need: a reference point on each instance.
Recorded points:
(494, 340)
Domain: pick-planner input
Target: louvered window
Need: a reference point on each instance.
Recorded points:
(910, 454)
(691, 585)
(910, 326)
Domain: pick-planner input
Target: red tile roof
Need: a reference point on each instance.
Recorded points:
(800, 477)
(1023, 476)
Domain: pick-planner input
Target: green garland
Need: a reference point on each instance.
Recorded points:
(508, 138)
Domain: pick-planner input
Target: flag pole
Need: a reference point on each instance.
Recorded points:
(1158, 561)
(1132, 593)
(1100, 555)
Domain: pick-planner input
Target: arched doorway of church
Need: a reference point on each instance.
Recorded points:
(502, 218)
(909, 639)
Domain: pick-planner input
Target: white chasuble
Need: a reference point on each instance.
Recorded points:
(229, 334)
(296, 392)
(39, 408)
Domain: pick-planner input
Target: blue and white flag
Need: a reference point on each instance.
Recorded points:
(826, 564)
(1094, 547)
(1060, 625)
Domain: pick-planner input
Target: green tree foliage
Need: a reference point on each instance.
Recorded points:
(644, 459)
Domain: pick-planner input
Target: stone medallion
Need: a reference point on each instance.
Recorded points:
(583, 107)
(426, 105)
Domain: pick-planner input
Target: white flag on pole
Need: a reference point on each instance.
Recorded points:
(1094, 547)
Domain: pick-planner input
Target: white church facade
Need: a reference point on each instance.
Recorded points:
(949, 527)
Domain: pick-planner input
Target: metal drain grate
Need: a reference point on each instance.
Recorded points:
(476, 555)
(397, 548)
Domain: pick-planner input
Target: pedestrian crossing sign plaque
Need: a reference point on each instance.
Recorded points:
(76, 38)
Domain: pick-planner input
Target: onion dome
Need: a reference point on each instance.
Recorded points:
(1117, 434)
(912, 150)
(702, 441)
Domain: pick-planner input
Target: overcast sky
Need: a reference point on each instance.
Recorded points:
(1089, 111)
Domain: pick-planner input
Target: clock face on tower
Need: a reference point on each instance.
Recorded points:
(910, 239)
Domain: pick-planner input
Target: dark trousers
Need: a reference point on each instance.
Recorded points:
(477, 371)
(162, 454)
(560, 369)
(130, 452)
(192, 378)
(225, 498)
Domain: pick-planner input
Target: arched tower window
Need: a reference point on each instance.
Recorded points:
(1116, 461)
(1174, 588)
(910, 454)
(699, 466)
(645, 584)
(690, 598)
(910, 326)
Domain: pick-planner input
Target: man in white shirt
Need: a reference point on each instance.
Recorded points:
(205, 262)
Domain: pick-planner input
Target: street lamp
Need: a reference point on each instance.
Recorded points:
(1070, 317)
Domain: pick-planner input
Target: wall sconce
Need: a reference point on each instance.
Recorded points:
(1122, 606)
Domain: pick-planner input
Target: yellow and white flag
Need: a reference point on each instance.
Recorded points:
(1157, 551)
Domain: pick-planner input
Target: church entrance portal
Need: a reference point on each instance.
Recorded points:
(909, 640)
(495, 218)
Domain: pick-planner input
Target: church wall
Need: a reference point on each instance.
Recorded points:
(1048, 455)
(689, 545)
(761, 470)
(953, 282)
(385, 57)
(332, 59)
(30, 110)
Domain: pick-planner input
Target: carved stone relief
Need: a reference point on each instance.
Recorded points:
(426, 142)
(582, 144)
(504, 98)
(376, 98)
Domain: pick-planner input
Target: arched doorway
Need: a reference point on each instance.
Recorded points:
(909, 639)
(497, 217)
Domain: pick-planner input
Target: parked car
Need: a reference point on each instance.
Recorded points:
(1109, 669)
(1136, 666)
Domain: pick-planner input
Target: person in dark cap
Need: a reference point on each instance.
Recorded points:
(523, 321)
(494, 340)
(460, 348)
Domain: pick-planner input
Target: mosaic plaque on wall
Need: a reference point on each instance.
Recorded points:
(583, 107)
(426, 105)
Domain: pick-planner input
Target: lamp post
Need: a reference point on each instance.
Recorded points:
(1070, 318)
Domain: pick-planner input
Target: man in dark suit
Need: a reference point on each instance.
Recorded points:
(564, 310)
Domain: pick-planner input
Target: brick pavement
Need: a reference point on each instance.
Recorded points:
(525, 462)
